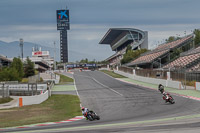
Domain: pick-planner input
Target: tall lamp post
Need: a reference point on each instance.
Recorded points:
(54, 55)
(21, 44)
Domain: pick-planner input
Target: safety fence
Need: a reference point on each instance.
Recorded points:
(4, 90)
(29, 89)
(182, 75)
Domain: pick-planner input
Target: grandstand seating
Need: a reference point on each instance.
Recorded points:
(195, 68)
(160, 51)
(148, 58)
(189, 60)
(173, 44)
(183, 61)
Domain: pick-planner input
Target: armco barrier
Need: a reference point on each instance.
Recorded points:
(167, 83)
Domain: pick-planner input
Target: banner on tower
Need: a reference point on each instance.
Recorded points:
(63, 20)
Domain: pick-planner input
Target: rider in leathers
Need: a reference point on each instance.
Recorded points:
(84, 111)
(166, 95)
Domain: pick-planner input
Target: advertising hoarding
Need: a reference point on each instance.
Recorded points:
(63, 20)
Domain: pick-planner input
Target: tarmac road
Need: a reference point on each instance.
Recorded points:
(126, 108)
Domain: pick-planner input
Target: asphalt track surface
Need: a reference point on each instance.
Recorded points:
(123, 106)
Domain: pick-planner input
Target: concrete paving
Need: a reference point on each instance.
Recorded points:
(11, 104)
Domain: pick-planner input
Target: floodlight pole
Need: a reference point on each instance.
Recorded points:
(21, 43)
(54, 55)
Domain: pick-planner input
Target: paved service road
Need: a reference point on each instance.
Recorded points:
(126, 108)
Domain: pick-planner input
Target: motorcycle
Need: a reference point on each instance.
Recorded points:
(91, 116)
(170, 99)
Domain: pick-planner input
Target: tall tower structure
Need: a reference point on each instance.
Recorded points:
(63, 25)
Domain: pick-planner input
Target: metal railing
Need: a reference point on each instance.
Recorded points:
(4, 90)
(182, 75)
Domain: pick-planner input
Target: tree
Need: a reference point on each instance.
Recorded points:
(197, 37)
(18, 65)
(9, 74)
(84, 60)
(131, 55)
(29, 69)
(13, 73)
(128, 48)
(171, 39)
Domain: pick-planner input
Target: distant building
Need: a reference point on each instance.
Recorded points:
(120, 38)
(42, 59)
(4, 61)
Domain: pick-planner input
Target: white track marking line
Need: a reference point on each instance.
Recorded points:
(102, 84)
(76, 90)
(107, 87)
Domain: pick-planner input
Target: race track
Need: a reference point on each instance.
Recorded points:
(125, 108)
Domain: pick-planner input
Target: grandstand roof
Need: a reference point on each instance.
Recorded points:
(113, 33)
(159, 51)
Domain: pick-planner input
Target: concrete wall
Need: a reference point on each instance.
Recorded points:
(167, 83)
(37, 99)
(104, 69)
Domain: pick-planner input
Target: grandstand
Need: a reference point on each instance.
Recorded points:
(120, 38)
(161, 55)
(189, 60)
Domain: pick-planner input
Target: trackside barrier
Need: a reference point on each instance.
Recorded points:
(197, 85)
(167, 83)
(29, 100)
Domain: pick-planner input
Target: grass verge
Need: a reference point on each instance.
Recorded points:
(111, 73)
(65, 79)
(56, 108)
(5, 100)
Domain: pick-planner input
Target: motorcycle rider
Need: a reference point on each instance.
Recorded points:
(85, 111)
(166, 95)
(161, 88)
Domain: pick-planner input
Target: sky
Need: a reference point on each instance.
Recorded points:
(35, 21)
